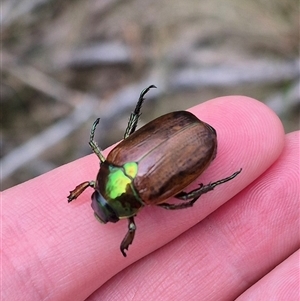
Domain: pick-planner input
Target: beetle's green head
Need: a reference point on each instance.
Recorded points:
(115, 197)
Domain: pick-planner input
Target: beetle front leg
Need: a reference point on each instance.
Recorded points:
(128, 239)
(74, 194)
(195, 194)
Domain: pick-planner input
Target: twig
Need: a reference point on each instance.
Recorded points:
(13, 10)
(258, 72)
(123, 100)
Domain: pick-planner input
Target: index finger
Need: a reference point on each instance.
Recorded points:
(51, 239)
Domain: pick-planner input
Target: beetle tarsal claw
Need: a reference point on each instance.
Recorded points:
(74, 194)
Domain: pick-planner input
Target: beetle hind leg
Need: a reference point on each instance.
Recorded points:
(128, 239)
(184, 205)
(134, 116)
(192, 196)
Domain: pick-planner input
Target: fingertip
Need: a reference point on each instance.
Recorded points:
(250, 134)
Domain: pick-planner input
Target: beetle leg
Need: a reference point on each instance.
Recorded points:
(93, 144)
(128, 239)
(194, 195)
(74, 194)
(134, 116)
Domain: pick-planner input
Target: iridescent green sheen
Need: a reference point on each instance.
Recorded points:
(131, 169)
(119, 178)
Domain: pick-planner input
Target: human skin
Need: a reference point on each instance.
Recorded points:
(239, 241)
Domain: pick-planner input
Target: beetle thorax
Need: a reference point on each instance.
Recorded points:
(115, 184)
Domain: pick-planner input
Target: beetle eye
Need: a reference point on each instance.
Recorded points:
(102, 209)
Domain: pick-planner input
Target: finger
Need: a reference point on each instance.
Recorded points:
(62, 242)
(282, 283)
(230, 250)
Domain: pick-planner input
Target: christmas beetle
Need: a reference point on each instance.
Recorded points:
(151, 165)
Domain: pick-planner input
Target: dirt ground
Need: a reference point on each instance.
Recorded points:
(64, 63)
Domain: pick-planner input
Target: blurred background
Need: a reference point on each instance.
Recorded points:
(64, 63)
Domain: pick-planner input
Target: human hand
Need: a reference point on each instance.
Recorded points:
(239, 241)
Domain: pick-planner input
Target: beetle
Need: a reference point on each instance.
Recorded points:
(151, 165)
